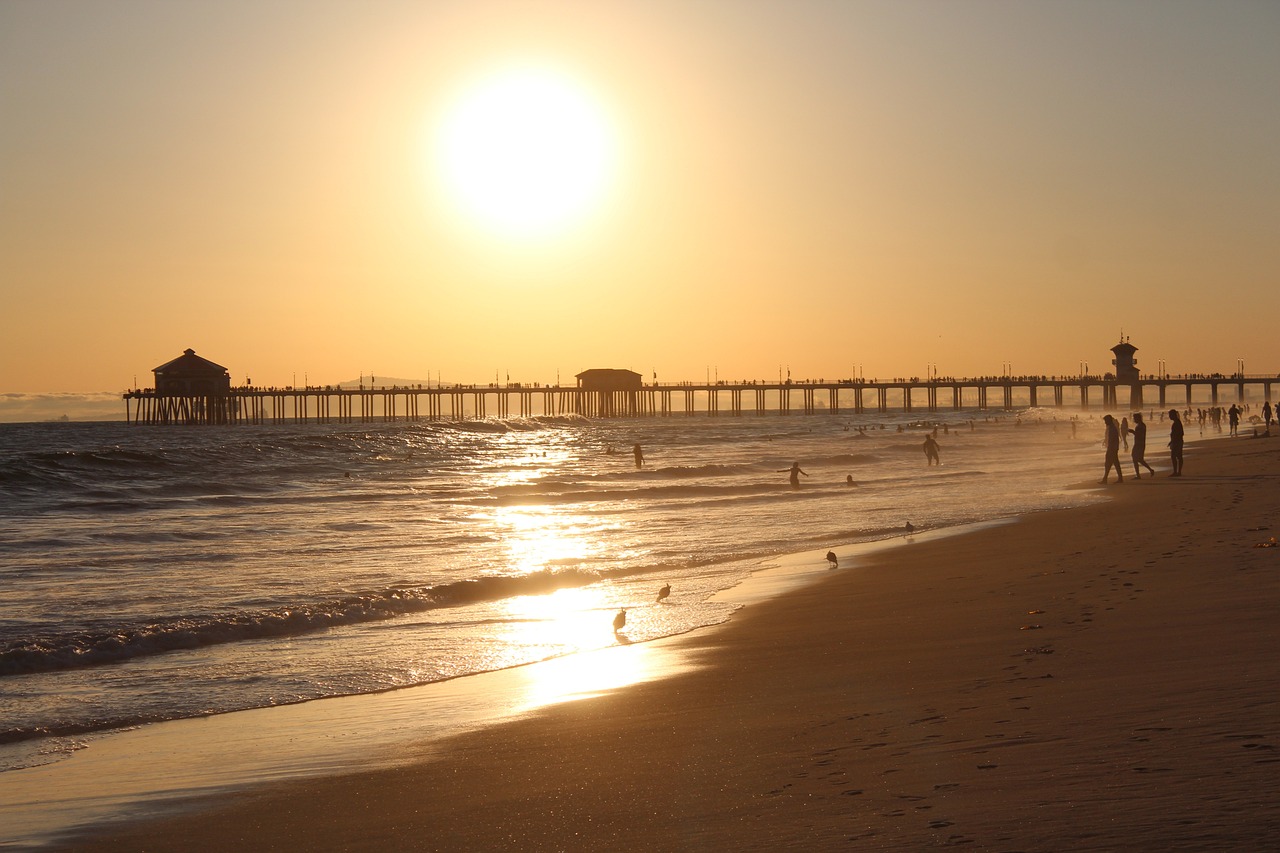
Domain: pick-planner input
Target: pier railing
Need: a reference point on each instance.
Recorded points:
(332, 404)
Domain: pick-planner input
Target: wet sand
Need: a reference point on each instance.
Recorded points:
(1102, 678)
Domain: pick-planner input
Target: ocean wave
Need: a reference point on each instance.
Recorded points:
(97, 648)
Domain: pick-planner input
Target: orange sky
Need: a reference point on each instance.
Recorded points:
(805, 185)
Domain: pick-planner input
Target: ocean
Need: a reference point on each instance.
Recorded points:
(156, 573)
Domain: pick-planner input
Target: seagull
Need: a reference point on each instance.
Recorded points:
(664, 592)
(911, 528)
(620, 620)
(831, 558)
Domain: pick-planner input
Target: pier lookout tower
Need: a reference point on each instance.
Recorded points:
(1127, 370)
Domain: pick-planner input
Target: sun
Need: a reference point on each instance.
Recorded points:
(525, 152)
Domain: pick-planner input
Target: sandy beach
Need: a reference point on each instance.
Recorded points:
(1101, 678)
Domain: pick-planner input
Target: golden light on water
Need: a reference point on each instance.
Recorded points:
(576, 619)
(539, 538)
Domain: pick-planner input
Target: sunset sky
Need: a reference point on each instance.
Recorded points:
(325, 189)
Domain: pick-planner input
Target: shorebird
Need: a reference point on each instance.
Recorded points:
(664, 592)
(831, 558)
(910, 528)
(620, 620)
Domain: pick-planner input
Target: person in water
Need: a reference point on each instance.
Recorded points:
(931, 451)
(639, 454)
(795, 472)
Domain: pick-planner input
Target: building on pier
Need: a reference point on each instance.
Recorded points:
(1127, 372)
(609, 379)
(609, 392)
(189, 375)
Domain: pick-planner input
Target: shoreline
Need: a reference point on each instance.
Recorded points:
(916, 700)
(194, 763)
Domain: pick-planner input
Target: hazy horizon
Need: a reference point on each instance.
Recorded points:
(480, 189)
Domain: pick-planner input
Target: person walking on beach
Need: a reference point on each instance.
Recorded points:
(1112, 443)
(1124, 432)
(795, 474)
(931, 451)
(1175, 442)
(1140, 446)
(639, 454)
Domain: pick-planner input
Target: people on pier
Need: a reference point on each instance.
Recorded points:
(1112, 444)
(795, 472)
(1175, 442)
(1140, 446)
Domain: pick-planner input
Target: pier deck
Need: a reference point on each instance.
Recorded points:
(252, 405)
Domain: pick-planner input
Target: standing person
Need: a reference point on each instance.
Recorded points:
(1124, 432)
(1112, 443)
(1233, 419)
(1175, 442)
(931, 451)
(639, 454)
(1140, 446)
(1266, 414)
(795, 472)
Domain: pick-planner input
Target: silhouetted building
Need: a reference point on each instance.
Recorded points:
(1126, 364)
(609, 379)
(189, 375)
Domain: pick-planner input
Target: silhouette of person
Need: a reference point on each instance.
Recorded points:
(1112, 443)
(795, 472)
(1140, 446)
(931, 451)
(1175, 442)
(1233, 419)
(1266, 414)
(848, 480)
(639, 454)
(1124, 432)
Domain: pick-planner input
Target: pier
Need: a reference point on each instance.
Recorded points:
(333, 404)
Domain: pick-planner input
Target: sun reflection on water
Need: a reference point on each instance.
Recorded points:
(537, 538)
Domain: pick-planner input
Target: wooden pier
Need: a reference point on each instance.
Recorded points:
(252, 405)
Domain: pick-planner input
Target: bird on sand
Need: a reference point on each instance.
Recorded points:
(620, 620)
(664, 592)
(831, 558)
(910, 528)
